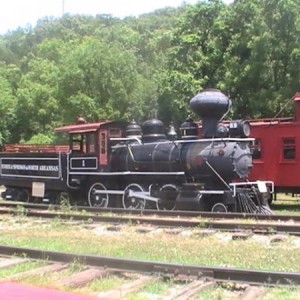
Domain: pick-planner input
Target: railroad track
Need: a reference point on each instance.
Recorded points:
(172, 270)
(186, 281)
(260, 227)
(161, 213)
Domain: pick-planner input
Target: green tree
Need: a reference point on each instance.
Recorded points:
(262, 60)
(8, 103)
(195, 59)
(38, 106)
(104, 76)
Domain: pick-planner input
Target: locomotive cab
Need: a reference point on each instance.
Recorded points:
(90, 143)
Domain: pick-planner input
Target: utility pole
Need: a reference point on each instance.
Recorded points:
(63, 8)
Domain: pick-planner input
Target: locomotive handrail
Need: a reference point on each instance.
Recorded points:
(125, 173)
(189, 141)
(127, 139)
(217, 140)
(131, 154)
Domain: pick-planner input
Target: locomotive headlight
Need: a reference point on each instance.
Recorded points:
(246, 128)
(239, 128)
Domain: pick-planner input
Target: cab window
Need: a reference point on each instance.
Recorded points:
(91, 142)
(77, 142)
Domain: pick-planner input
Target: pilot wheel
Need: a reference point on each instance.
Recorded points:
(219, 207)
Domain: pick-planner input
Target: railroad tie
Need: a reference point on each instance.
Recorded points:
(55, 267)
(9, 262)
(189, 290)
(82, 278)
(252, 292)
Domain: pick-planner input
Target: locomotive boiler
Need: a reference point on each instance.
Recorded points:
(121, 164)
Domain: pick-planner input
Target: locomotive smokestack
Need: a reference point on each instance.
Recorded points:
(210, 105)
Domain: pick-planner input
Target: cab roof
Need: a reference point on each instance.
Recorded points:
(80, 128)
(89, 127)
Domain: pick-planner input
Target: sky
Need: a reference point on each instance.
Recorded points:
(19, 13)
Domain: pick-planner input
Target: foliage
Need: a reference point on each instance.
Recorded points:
(249, 49)
(150, 66)
(40, 138)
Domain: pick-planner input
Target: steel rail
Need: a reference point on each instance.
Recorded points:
(165, 213)
(293, 229)
(173, 269)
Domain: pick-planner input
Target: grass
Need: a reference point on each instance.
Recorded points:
(218, 249)
(284, 208)
(103, 284)
(153, 290)
(19, 268)
(282, 294)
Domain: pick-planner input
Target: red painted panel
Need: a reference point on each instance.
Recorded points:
(103, 159)
(14, 291)
(272, 165)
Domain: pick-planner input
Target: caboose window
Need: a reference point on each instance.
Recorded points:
(255, 147)
(289, 148)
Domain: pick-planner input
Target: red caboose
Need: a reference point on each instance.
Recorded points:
(276, 151)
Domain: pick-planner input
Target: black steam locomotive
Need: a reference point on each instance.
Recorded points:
(121, 164)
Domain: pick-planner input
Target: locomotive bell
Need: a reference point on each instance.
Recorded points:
(210, 105)
(172, 134)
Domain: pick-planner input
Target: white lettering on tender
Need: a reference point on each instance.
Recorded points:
(26, 167)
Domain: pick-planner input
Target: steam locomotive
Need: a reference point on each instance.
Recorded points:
(121, 164)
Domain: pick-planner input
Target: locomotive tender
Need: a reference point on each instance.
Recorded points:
(121, 164)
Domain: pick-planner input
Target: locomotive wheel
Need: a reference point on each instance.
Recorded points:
(168, 197)
(219, 207)
(97, 199)
(133, 202)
